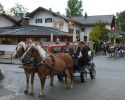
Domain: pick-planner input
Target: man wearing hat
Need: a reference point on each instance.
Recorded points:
(68, 49)
(82, 54)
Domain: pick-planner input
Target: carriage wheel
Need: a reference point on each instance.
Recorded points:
(93, 73)
(83, 76)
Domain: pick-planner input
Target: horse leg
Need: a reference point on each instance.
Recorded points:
(27, 82)
(42, 80)
(109, 54)
(51, 79)
(71, 76)
(32, 81)
(65, 85)
(67, 76)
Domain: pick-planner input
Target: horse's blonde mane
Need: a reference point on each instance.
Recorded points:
(22, 44)
(42, 52)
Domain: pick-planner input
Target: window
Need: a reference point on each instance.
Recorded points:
(71, 30)
(85, 38)
(77, 31)
(48, 20)
(83, 29)
(39, 20)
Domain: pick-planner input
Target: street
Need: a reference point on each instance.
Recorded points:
(108, 85)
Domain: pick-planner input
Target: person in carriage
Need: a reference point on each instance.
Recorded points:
(68, 49)
(83, 53)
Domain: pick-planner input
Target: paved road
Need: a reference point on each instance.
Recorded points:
(108, 85)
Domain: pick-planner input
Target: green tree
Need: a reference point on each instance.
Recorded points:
(1, 8)
(121, 20)
(18, 8)
(99, 32)
(74, 8)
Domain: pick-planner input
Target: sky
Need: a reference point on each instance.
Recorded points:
(92, 7)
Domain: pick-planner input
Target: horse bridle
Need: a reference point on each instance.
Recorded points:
(26, 62)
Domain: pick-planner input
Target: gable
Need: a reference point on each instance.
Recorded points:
(5, 22)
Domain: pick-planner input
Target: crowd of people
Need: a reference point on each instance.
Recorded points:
(113, 49)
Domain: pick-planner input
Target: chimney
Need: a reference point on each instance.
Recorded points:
(25, 21)
(58, 12)
(50, 9)
(86, 15)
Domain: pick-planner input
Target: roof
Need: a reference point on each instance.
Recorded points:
(92, 20)
(54, 13)
(43, 9)
(8, 17)
(31, 30)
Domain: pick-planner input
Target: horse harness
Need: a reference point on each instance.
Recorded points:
(36, 65)
(53, 65)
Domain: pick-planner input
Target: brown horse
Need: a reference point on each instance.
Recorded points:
(69, 64)
(20, 50)
(48, 65)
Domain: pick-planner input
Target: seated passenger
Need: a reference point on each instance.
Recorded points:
(82, 54)
(68, 49)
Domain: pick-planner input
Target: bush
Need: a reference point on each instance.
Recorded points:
(97, 47)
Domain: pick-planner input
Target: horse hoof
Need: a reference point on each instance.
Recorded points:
(41, 95)
(71, 86)
(31, 93)
(51, 84)
(26, 92)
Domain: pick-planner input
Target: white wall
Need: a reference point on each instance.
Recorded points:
(42, 15)
(87, 31)
(55, 23)
(4, 22)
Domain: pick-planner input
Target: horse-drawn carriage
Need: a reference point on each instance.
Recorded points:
(82, 71)
(36, 60)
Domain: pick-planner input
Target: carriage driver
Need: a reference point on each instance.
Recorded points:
(82, 54)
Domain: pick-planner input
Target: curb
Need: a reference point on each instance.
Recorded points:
(9, 63)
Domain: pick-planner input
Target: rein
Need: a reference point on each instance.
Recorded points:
(37, 65)
(28, 62)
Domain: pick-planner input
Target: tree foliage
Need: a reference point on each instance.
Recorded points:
(1, 8)
(74, 8)
(18, 8)
(99, 32)
(121, 20)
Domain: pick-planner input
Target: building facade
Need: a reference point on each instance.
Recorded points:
(41, 23)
